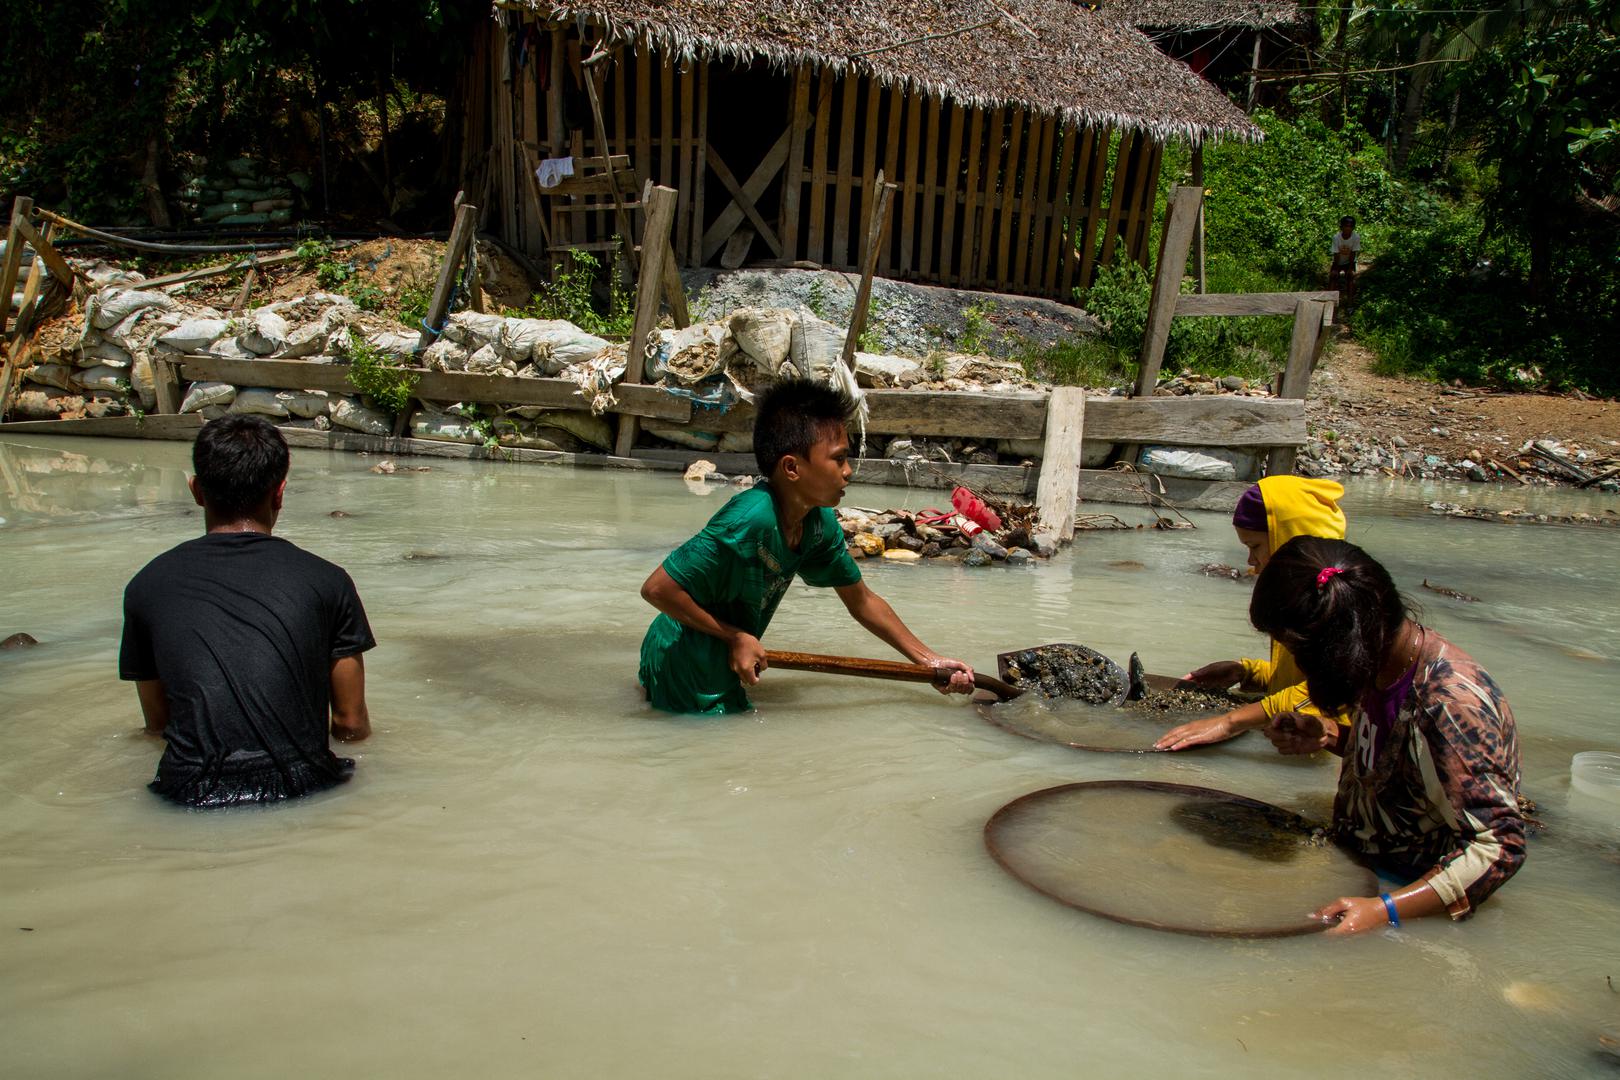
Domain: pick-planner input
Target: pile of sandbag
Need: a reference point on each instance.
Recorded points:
(481, 344)
(241, 192)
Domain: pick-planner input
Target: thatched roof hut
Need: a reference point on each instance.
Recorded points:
(1025, 136)
(1204, 14)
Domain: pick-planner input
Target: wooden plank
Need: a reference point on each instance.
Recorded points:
(1133, 203)
(1174, 244)
(31, 289)
(742, 199)
(1116, 200)
(20, 209)
(1045, 275)
(527, 92)
(838, 255)
(683, 208)
(793, 180)
(733, 214)
(645, 166)
(1201, 420)
(625, 180)
(112, 427)
(953, 172)
(1094, 209)
(816, 233)
(166, 385)
(675, 291)
(1009, 197)
(1037, 166)
(47, 252)
(654, 241)
(1297, 376)
(621, 216)
(990, 185)
(1058, 493)
(1144, 225)
(1113, 486)
(909, 185)
(1072, 226)
(876, 221)
(737, 248)
(891, 165)
(455, 251)
(869, 161)
(1277, 303)
(634, 399)
(700, 166)
(930, 182)
(970, 200)
(666, 125)
(1198, 240)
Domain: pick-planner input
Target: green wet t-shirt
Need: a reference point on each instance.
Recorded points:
(737, 569)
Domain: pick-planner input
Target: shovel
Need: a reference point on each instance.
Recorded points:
(883, 669)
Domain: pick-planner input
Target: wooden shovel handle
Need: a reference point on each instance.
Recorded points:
(881, 669)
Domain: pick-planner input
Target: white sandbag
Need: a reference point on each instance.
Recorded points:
(104, 353)
(533, 437)
(228, 348)
(259, 402)
(59, 376)
(486, 361)
(203, 394)
(445, 355)
(46, 404)
(100, 378)
(112, 306)
(692, 354)
(265, 332)
(592, 430)
(874, 370)
(315, 423)
(1189, 464)
(349, 413)
(143, 382)
(393, 343)
(306, 404)
(194, 335)
(100, 404)
(473, 329)
(765, 335)
(214, 412)
(737, 442)
(552, 344)
(310, 340)
(983, 369)
(1031, 449)
(680, 436)
(817, 345)
(444, 428)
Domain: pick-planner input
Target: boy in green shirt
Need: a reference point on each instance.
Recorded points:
(716, 593)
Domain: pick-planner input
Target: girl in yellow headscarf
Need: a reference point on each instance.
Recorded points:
(1268, 515)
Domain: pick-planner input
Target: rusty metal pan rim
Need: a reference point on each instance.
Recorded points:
(1013, 807)
(985, 703)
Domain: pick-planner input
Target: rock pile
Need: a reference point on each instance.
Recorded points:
(241, 192)
(1537, 461)
(904, 536)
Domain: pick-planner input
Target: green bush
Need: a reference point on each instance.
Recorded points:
(371, 374)
(572, 295)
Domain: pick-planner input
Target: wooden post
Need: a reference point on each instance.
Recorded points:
(660, 207)
(1308, 317)
(1057, 493)
(461, 235)
(36, 274)
(166, 384)
(1198, 237)
(875, 225)
(1181, 219)
(621, 215)
(14, 249)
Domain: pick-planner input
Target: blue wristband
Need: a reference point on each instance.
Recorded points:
(1389, 906)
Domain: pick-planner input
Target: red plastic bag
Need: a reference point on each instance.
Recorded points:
(972, 507)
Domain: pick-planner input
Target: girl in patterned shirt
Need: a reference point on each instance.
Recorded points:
(1429, 789)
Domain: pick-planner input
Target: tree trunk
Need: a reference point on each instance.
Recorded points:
(1343, 46)
(1416, 90)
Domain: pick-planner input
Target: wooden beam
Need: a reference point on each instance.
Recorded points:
(166, 385)
(455, 251)
(1198, 420)
(930, 191)
(1181, 220)
(1198, 239)
(876, 222)
(1297, 376)
(741, 198)
(1093, 209)
(112, 427)
(953, 173)
(814, 247)
(700, 166)
(20, 209)
(792, 146)
(869, 159)
(1277, 303)
(43, 248)
(1009, 197)
(1119, 197)
(654, 244)
(732, 216)
(1058, 492)
(838, 255)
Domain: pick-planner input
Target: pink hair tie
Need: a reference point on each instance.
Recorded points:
(1327, 572)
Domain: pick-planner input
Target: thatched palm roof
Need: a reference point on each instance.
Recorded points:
(1055, 58)
(1204, 14)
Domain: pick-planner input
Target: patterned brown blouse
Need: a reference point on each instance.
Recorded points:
(1436, 795)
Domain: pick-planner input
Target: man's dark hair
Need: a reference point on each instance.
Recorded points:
(1339, 626)
(1347, 220)
(239, 459)
(791, 416)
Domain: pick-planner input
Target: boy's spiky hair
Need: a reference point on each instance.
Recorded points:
(791, 416)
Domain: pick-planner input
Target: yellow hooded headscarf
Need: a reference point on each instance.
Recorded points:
(1295, 506)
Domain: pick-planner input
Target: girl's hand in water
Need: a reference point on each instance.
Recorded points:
(1211, 729)
(1217, 676)
(1299, 733)
(1354, 915)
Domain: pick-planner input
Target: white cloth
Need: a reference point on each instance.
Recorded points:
(1346, 248)
(552, 171)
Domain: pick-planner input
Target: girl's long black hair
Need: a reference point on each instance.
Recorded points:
(1340, 625)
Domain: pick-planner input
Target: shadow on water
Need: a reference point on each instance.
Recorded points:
(1259, 832)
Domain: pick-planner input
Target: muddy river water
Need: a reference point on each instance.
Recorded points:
(532, 874)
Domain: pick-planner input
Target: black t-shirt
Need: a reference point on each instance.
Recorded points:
(242, 629)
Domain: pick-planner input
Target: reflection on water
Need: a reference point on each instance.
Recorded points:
(533, 873)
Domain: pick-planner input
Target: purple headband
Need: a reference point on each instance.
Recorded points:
(1251, 510)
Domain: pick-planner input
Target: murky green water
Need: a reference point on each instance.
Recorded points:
(532, 874)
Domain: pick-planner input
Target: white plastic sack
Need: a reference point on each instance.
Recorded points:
(101, 378)
(228, 348)
(765, 335)
(486, 361)
(99, 403)
(305, 404)
(816, 347)
(443, 427)
(315, 423)
(737, 442)
(393, 343)
(348, 413)
(36, 404)
(112, 306)
(194, 335)
(203, 394)
(104, 353)
(692, 354)
(445, 355)
(59, 376)
(1188, 464)
(265, 333)
(143, 382)
(591, 430)
(473, 329)
(260, 402)
(680, 436)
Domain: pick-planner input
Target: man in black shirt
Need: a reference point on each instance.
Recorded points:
(243, 647)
